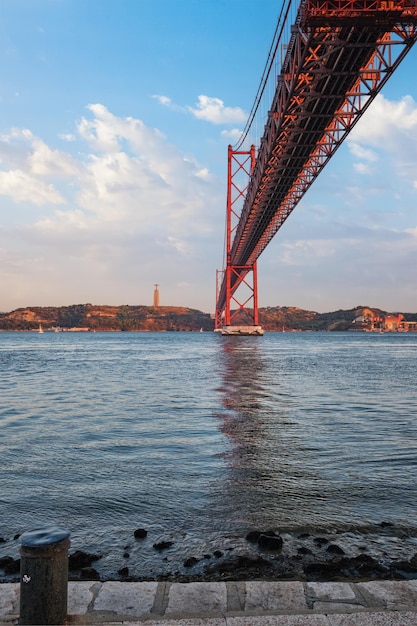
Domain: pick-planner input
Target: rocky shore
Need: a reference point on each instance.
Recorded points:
(269, 556)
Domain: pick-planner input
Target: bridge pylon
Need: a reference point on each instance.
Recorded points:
(237, 285)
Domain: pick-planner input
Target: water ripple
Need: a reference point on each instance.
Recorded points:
(199, 437)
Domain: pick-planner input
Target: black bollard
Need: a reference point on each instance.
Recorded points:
(44, 576)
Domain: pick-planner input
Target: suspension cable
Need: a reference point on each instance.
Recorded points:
(266, 72)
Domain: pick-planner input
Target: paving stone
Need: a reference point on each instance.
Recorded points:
(275, 596)
(210, 621)
(331, 591)
(126, 598)
(133, 602)
(9, 598)
(80, 594)
(336, 607)
(278, 620)
(236, 594)
(197, 598)
(391, 594)
(393, 618)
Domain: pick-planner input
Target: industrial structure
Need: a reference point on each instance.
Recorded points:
(336, 57)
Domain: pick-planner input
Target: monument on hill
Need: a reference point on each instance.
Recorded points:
(156, 296)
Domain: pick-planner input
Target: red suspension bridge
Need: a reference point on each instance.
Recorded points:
(327, 62)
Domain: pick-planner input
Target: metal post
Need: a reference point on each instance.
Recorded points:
(44, 576)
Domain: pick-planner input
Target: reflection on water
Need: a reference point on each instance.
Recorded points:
(270, 479)
(246, 404)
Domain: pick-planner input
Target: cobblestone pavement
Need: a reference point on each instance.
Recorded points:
(254, 603)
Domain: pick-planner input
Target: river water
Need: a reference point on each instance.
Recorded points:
(200, 438)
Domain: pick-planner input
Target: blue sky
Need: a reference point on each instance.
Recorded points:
(114, 123)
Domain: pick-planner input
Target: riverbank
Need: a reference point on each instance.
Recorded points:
(262, 555)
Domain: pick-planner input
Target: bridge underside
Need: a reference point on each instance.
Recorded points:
(340, 55)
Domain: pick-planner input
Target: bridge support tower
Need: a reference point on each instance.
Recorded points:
(237, 285)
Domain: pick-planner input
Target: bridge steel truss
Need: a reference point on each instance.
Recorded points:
(340, 55)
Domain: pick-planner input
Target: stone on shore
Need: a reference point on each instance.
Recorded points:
(80, 559)
(162, 545)
(267, 540)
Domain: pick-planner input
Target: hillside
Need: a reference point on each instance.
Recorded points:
(293, 318)
(144, 318)
(107, 318)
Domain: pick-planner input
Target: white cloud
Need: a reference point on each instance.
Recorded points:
(387, 123)
(363, 168)
(203, 173)
(233, 135)
(387, 133)
(133, 174)
(385, 116)
(62, 223)
(412, 232)
(46, 161)
(100, 132)
(362, 153)
(163, 99)
(213, 110)
(25, 162)
(302, 251)
(20, 149)
(67, 137)
(167, 102)
(22, 187)
(180, 246)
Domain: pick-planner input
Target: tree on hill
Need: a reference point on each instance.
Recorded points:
(72, 316)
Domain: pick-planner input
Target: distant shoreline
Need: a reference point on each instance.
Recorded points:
(139, 318)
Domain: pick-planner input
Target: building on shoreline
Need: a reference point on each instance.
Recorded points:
(384, 323)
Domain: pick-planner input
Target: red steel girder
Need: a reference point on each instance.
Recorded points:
(382, 12)
(333, 69)
(249, 306)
